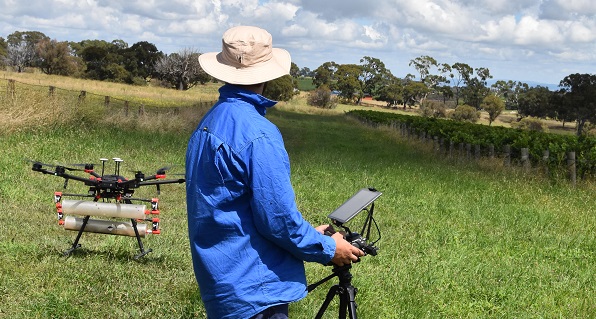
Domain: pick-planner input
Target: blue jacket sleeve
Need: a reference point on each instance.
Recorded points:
(274, 207)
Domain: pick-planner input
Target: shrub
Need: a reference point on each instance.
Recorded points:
(322, 98)
(433, 109)
(531, 124)
(493, 105)
(465, 113)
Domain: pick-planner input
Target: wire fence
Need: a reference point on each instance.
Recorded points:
(84, 99)
(567, 166)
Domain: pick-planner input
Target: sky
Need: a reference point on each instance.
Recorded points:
(531, 41)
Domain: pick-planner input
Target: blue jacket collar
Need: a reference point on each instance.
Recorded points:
(261, 103)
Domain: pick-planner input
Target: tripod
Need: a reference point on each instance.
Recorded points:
(345, 291)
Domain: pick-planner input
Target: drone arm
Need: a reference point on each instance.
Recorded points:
(93, 173)
(67, 176)
(166, 181)
(43, 170)
(63, 175)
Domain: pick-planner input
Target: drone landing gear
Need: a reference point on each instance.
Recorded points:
(83, 225)
(143, 252)
(345, 291)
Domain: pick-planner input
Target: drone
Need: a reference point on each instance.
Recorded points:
(110, 195)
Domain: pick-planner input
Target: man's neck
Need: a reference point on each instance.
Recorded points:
(257, 88)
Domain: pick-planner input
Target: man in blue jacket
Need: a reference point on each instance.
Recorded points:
(248, 240)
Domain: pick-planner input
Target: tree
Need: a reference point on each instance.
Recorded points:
(475, 90)
(510, 91)
(580, 95)
(18, 57)
(181, 70)
(493, 105)
(446, 92)
(460, 74)
(559, 108)
(392, 92)
(348, 82)
(535, 102)
(294, 70)
(413, 92)
(55, 58)
(21, 49)
(280, 89)
(103, 60)
(374, 75)
(3, 51)
(140, 59)
(325, 74)
(423, 65)
(306, 72)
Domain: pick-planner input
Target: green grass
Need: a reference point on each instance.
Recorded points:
(459, 240)
(305, 84)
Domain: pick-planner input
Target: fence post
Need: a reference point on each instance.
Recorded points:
(525, 158)
(571, 167)
(450, 149)
(52, 91)
(477, 151)
(468, 151)
(545, 160)
(106, 102)
(10, 89)
(126, 108)
(507, 153)
(461, 150)
(82, 97)
(491, 151)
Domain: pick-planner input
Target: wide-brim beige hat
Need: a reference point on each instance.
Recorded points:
(247, 57)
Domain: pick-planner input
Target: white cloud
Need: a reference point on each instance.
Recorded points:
(516, 35)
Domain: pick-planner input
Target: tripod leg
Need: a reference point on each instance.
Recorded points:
(350, 295)
(330, 294)
(343, 303)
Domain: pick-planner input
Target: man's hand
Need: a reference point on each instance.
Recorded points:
(321, 229)
(345, 253)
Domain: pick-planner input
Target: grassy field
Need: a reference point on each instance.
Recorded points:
(459, 240)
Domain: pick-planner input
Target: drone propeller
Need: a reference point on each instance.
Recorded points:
(72, 169)
(162, 171)
(86, 166)
(177, 174)
(39, 165)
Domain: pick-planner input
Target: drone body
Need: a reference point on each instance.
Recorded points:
(109, 196)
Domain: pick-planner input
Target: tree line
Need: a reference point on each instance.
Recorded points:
(464, 87)
(456, 85)
(101, 60)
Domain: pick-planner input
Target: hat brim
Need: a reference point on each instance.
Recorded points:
(277, 66)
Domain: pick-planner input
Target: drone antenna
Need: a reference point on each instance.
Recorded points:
(103, 164)
(118, 160)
